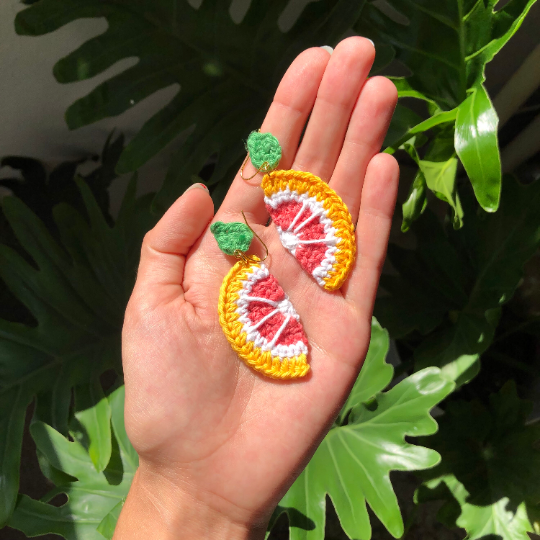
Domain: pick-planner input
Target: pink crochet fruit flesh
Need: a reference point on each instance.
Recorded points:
(268, 317)
(306, 231)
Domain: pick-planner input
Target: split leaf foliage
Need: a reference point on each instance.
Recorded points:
(76, 289)
(353, 463)
(490, 470)
(41, 191)
(94, 498)
(452, 286)
(227, 71)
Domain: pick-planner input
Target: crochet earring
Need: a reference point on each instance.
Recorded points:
(313, 223)
(256, 315)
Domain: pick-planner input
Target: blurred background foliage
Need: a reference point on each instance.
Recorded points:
(455, 343)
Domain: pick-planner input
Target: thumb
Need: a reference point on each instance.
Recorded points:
(164, 248)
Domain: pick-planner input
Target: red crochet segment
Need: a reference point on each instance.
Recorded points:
(310, 256)
(270, 289)
(260, 322)
(313, 223)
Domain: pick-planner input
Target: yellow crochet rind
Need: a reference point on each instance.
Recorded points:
(259, 360)
(305, 182)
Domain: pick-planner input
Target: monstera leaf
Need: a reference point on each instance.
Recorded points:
(227, 70)
(353, 463)
(490, 467)
(42, 191)
(94, 499)
(452, 286)
(76, 292)
(446, 46)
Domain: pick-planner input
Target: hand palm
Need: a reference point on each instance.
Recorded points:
(193, 408)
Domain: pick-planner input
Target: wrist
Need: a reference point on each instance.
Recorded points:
(157, 508)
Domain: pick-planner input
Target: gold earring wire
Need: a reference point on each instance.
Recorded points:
(265, 168)
(246, 258)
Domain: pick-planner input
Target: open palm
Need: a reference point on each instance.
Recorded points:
(197, 415)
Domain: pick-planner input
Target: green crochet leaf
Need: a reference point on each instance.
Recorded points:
(232, 237)
(490, 470)
(263, 148)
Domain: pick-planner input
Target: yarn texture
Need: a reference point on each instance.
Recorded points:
(313, 223)
(263, 147)
(232, 237)
(260, 322)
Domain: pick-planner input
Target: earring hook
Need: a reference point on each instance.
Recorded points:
(265, 168)
(246, 258)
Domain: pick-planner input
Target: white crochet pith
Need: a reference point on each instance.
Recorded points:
(284, 306)
(289, 237)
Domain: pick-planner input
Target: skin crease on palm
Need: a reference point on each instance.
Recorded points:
(219, 444)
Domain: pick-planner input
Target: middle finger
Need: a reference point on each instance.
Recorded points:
(343, 78)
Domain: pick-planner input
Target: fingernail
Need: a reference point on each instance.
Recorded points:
(328, 48)
(198, 186)
(371, 42)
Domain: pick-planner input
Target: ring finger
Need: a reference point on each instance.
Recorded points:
(365, 135)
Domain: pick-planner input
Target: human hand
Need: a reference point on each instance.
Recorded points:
(220, 444)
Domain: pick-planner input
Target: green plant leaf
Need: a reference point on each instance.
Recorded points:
(432, 280)
(416, 202)
(108, 523)
(94, 498)
(458, 280)
(42, 191)
(441, 179)
(499, 245)
(403, 121)
(384, 54)
(409, 126)
(478, 148)
(456, 348)
(446, 46)
(375, 374)
(13, 403)
(77, 292)
(93, 415)
(453, 41)
(405, 89)
(353, 462)
(490, 465)
(227, 70)
(439, 168)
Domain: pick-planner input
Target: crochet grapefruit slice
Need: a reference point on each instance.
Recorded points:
(313, 224)
(261, 324)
